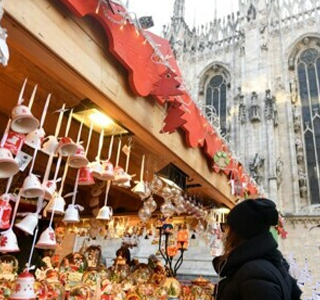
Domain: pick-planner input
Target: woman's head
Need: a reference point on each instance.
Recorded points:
(248, 219)
(252, 217)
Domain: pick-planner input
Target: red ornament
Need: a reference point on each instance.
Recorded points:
(167, 85)
(174, 118)
(3, 241)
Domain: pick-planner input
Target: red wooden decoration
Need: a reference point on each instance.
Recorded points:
(153, 71)
(167, 85)
(174, 118)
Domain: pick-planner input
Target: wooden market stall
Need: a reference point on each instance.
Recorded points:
(89, 62)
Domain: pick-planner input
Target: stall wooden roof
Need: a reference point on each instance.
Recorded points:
(67, 57)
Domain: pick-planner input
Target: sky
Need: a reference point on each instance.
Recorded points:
(197, 12)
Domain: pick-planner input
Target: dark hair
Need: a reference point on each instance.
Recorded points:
(125, 253)
(231, 240)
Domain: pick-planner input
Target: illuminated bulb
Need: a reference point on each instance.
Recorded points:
(144, 42)
(137, 32)
(100, 119)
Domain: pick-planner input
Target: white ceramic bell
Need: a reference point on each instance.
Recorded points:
(72, 214)
(32, 187)
(8, 165)
(78, 160)
(28, 223)
(24, 287)
(67, 147)
(105, 213)
(56, 204)
(120, 176)
(139, 189)
(85, 176)
(107, 171)
(22, 120)
(8, 242)
(47, 239)
(49, 187)
(34, 139)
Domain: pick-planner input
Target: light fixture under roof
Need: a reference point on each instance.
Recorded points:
(100, 120)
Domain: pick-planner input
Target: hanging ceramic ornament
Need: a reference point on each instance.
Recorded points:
(119, 174)
(107, 166)
(140, 188)
(79, 159)
(126, 184)
(32, 186)
(105, 212)
(67, 147)
(96, 166)
(8, 165)
(85, 173)
(34, 138)
(22, 119)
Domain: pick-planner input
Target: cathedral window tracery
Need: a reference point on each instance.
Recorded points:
(308, 74)
(216, 98)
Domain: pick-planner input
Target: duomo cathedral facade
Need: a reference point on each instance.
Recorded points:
(256, 75)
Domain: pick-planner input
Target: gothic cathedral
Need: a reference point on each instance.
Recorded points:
(256, 76)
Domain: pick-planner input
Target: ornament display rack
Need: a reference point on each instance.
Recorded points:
(170, 268)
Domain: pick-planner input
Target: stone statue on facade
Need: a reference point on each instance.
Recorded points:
(296, 118)
(299, 150)
(252, 13)
(255, 110)
(242, 114)
(303, 184)
(293, 90)
(270, 109)
(279, 171)
(255, 166)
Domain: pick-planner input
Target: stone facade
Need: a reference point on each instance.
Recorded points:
(256, 51)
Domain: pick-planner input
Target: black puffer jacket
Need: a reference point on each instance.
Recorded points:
(250, 274)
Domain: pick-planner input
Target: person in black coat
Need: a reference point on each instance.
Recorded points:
(251, 267)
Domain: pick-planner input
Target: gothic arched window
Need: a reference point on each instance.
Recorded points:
(216, 98)
(308, 71)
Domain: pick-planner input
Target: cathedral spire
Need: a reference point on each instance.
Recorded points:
(178, 9)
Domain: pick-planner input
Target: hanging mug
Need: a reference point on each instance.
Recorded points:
(67, 147)
(50, 145)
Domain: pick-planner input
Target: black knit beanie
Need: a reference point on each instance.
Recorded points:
(252, 217)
